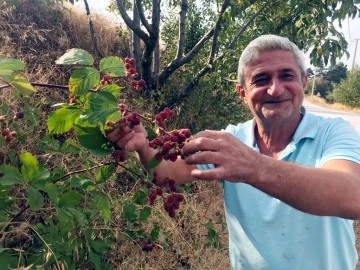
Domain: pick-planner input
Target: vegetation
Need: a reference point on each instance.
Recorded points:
(69, 200)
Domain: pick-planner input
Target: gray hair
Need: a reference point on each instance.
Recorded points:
(265, 43)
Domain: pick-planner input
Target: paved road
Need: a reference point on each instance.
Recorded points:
(353, 118)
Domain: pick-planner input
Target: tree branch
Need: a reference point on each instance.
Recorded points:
(182, 20)
(92, 30)
(176, 63)
(187, 91)
(142, 16)
(130, 23)
(136, 48)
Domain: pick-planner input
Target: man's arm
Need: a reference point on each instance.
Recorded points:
(135, 140)
(333, 189)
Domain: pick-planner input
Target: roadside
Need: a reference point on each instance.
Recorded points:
(334, 106)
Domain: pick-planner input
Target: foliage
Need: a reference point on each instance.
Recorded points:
(348, 91)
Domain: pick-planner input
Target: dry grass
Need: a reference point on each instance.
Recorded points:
(333, 106)
(38, 34)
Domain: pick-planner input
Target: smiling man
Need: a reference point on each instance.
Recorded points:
(291, 179)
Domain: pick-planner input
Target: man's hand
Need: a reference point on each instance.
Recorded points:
(233, 160)
(129, 139)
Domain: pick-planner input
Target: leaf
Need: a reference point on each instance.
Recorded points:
(129, 212)
(112, 65)
(140, 198)
(21, 85)
(29, 167)
(145, 213)
(151, 133)
(11, 64)
(93, 139)
(104, 173)
(114, 89)
(6, 73)
(76, 56)
(51, 190)
(153, 163)
(70, 199)
(155, 232)
(83, 79)
(102, 106)
(63, 119)
(35, 199)
(99, 246)
(11, 176)
(79, 216)
(102, 203)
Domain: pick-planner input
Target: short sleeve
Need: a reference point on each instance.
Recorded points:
(342, 142)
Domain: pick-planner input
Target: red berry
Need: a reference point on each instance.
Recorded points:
(110, 123)
(127, 60)
(73, 100)
(8, 138)
(141, 83)
(5, 132)
(132, 61)
(158, 156)
(132, 71)
(134, 83)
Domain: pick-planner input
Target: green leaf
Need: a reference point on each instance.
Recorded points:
(140, 197)
(145, 213)
(6, 73)
(11, 176)
(102, 203)
(63, 119)
(99, 246)
(93, 139)
(30, 166)
(153, 163)
(82, 80)
(151, 133)
(114, 89)
(70, 199)
(104, 173)
(35, 198)
(51, 190)
(112, 65)
(102, 106)
(70, 147)
(129, 212)
(81, 181)
(21, 85)
(79, 216)
(155, 232)
(76, 56)
(11, 64)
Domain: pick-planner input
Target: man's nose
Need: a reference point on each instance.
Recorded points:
(276, 88)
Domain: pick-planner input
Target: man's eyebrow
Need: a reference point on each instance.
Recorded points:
(284, 70)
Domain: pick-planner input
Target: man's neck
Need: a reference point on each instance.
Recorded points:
(273, 139)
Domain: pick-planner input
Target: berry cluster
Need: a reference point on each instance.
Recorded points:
(130, 67)
(170, 144)
(172, 201)
(164, 116)
(106, 79)
(6, 132)
(119, 155)
(138, 84)
(73, 99)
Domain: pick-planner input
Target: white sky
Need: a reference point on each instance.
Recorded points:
(350, 29)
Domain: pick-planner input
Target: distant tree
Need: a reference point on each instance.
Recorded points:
(348, 91)
(336, 73)
(310, 72)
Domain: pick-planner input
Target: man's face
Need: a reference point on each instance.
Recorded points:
(274, 87)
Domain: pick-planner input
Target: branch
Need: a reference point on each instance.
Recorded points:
(155, 18)
(176, 63)
(182, 20)
(92, 30)
(130, 23)
(187, 91)
(142, 16)
(39, 84)
(136, 48)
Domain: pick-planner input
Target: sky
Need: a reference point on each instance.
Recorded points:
(350, 29)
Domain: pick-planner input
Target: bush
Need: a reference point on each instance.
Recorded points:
(348, 91)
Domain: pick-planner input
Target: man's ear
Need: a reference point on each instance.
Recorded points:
(305, 79)
(241, 91)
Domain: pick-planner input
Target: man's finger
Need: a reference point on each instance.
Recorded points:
(211, 174)
(200, 144)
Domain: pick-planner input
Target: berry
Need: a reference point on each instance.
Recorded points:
(134, 83)
(132, 61)
(158, 156)
(127, 60)
(106, 78)
(8, 138)
(20, 115)
(5, 132)
(132, 71)
(73, 100)
(141, 83)
(128, 66)
(110, 123)
(122, 107)
(1, 174)
(119, 155)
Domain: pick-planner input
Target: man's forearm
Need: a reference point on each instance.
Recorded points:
(321, 191)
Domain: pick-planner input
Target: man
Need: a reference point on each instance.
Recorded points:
(291, 179)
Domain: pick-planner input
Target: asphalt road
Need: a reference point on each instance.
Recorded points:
(353, 118)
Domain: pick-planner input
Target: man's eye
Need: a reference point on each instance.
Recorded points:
(287, 76)
(261, 81)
